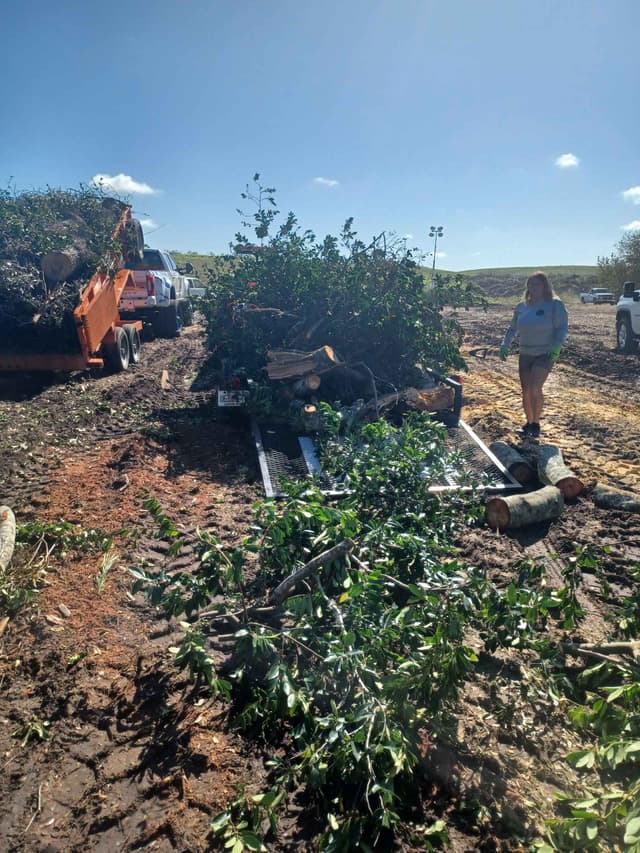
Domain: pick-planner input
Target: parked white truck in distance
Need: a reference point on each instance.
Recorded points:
(160, 297)
(628, 318)
(598, 296)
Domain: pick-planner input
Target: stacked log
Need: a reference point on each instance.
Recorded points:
(516, 464)
(553, 471)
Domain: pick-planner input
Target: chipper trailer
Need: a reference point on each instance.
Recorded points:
(91, 334)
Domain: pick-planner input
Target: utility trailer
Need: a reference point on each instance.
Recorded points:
(93, 333)
(286, 456)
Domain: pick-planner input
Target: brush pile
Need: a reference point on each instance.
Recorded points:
(51, 243)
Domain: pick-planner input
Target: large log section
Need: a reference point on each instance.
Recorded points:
(553, 471)
(516, 464)
(503, 513)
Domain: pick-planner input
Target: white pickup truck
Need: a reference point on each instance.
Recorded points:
(598, 296)
(628, 318)
(160, 295)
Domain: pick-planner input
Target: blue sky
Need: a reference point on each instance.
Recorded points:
(402, 114)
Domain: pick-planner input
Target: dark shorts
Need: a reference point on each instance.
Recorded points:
(527, 363)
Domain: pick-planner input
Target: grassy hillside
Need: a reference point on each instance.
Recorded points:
(499, 283)
(509, 282)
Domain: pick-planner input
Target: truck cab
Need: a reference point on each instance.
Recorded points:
(628, 318)
(598, 296)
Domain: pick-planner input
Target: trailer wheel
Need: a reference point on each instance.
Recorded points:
(119, 352)
(134, 342)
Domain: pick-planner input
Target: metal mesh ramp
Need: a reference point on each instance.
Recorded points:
(284, 456)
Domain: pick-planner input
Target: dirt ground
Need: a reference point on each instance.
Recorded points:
(134, 759)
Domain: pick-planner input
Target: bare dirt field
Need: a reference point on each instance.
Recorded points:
(133, 758)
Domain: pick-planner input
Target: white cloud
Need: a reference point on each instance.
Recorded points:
(148, 223)
(567, 161)
(326, 182)
(632, 226)
(122, 184)
(407, 236)
(441, 255)
(632, 195)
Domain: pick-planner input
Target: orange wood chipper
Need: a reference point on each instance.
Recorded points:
(102, 337)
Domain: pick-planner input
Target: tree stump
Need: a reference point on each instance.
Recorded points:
(515, 464)
(502, 513)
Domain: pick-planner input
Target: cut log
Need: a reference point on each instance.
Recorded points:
(429, 399)
(288, 364)
(514, 463)
(63, 266)
(307, 385)
(502, 513)
(553, 471)
(7, 536)
(610, 498)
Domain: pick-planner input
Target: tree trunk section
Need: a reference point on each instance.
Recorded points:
(7, 536)
(288, 364)
(514, 463)
(609, 498)
(309, 384)
(62, 266)
(502, 513)
(553, 472)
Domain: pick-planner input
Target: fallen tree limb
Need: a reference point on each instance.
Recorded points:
(607, 497)
(516, 464)
(7, 536)
(283, 590)
(512, 511)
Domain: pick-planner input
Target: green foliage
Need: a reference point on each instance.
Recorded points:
(247, 820)
(623, 264)
(369, 301)
(191, 654)
(33, 729)
(36, 222)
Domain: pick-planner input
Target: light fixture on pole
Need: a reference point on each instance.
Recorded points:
(435, 232)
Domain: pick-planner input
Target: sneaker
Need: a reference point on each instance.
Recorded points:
(524, 430)
(534, 430)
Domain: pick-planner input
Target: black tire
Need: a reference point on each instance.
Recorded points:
(134, 343)
(118, 353)
(185, 310)
(132, 242)
(624, 335)
(168, 323)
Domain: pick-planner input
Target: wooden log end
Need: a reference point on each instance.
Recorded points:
(496, 513)
(570, 487)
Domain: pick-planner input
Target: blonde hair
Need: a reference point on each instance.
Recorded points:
(534, 279)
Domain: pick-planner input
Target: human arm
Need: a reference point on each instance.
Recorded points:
(560, 324)
(509, 335)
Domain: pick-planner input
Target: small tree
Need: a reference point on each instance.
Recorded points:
(623, 264)
(368, 301)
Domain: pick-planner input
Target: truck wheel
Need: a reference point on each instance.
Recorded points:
(169, 323)
(133, 242)
(134, 342)
(624, 335)
(185, 310)
(118, 353)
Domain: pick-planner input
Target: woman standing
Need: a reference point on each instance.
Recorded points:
(541, 324)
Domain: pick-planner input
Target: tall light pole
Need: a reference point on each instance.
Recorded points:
(435, 232)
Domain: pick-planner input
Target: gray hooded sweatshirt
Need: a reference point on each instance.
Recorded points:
(540, 327)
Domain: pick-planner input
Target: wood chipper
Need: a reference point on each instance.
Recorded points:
(92, 333)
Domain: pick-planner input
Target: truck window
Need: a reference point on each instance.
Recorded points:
(170, 262)
(151, 260)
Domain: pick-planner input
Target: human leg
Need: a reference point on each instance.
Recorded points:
(537, 377)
